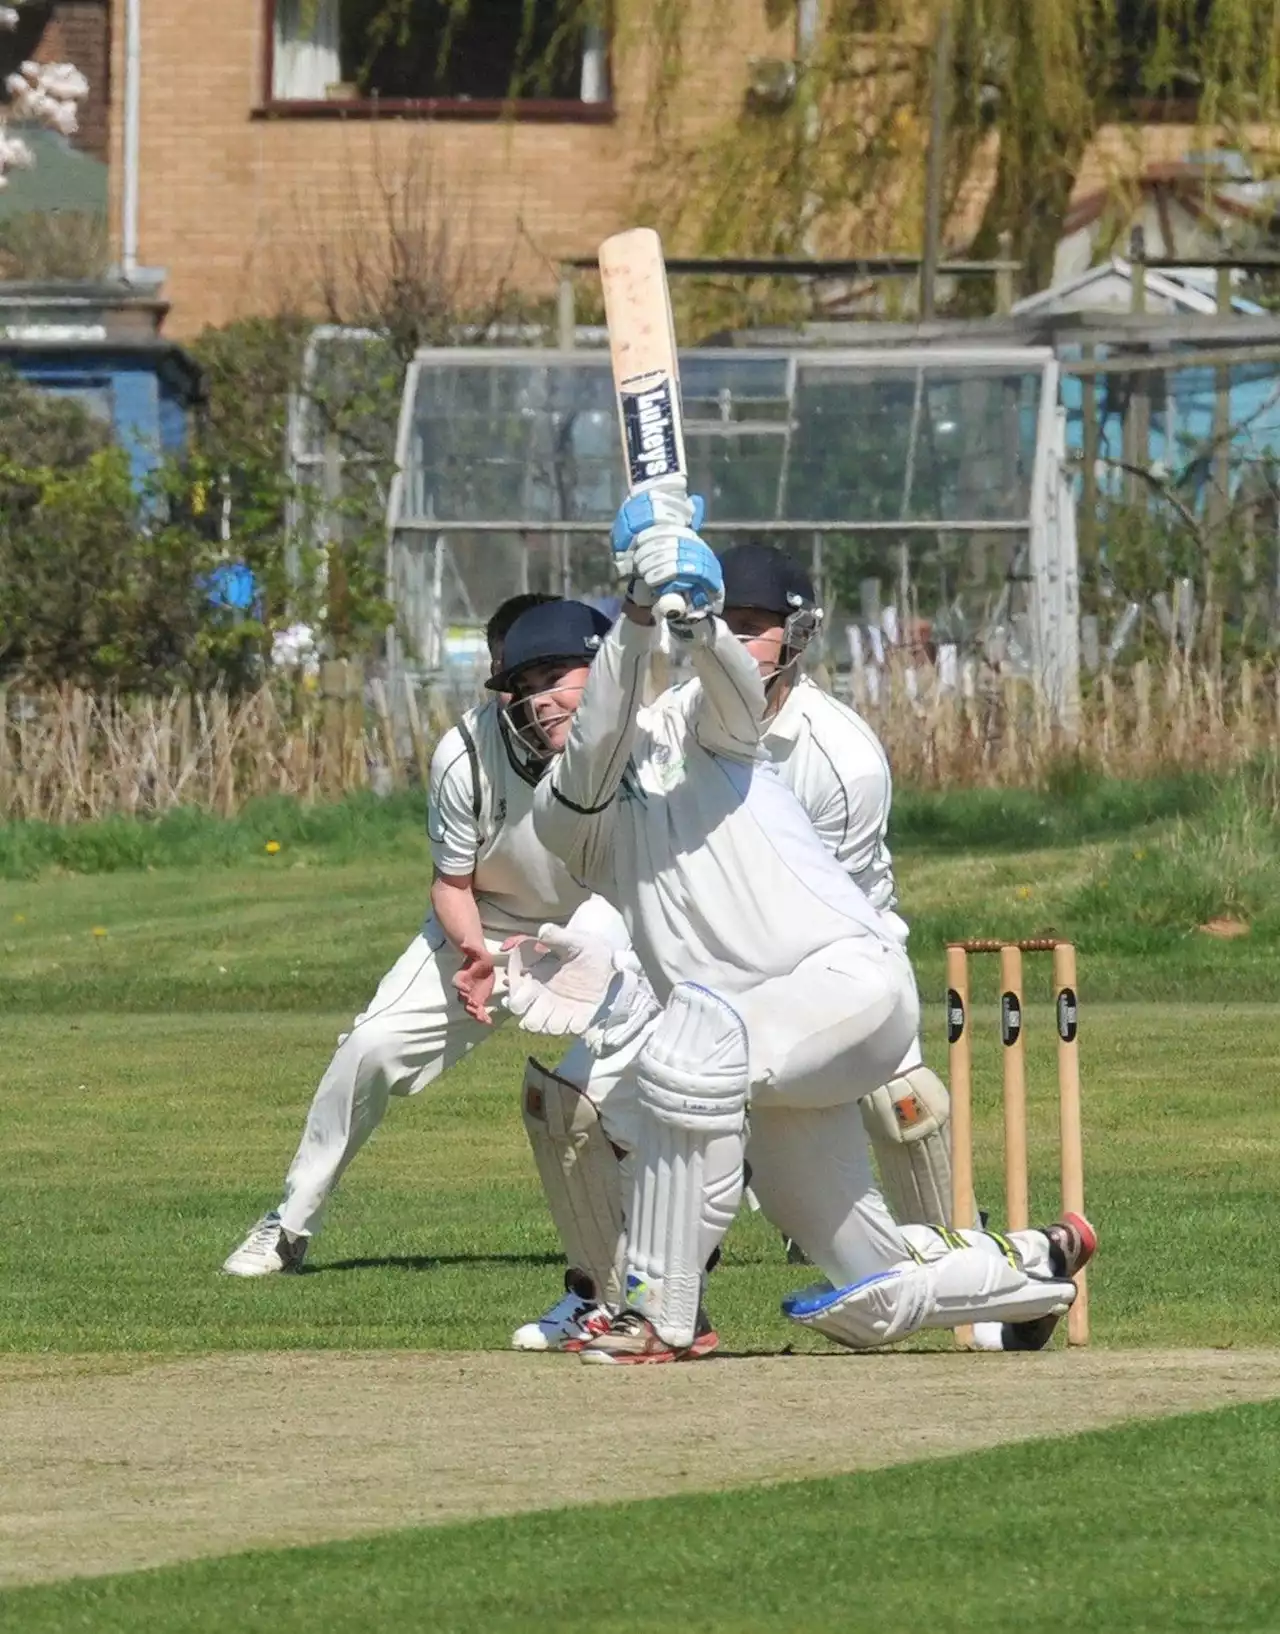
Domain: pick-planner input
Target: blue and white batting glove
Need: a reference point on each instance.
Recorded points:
(658, 507)
(674, 561)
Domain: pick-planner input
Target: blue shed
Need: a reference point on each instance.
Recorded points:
(100, 344)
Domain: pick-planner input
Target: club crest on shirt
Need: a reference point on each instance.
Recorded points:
(666, 766)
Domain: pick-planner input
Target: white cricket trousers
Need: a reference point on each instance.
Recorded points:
(414, 1028)
(821, 1038)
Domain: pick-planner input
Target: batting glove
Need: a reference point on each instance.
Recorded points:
(674, 561)
(658, 507)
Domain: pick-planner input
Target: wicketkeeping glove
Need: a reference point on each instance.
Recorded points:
(557, 984)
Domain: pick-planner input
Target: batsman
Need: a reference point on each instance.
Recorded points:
(784, 994)
(837, 768)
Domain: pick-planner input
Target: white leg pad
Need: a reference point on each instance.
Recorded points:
(906, 1121)
(950, 1287)
(693, 1078)
(580, 1175)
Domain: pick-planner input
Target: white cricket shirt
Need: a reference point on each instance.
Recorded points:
(480, 822)
(714, 864)
(837, 768)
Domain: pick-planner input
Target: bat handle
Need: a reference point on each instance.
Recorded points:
(672, 605)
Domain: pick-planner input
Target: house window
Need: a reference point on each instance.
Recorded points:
(438, 52)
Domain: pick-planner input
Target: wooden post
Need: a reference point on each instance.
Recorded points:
(1004, 278)
(420, 754)
(1219, 498)
(342, 689)
(935, 164)
(1137, 270)
(387, 732)
(1089, 473)
(1135, 436)
(1245, 730)
(355, 768)
(223, 764)
(1066, 1005)
(336, 573)
(959, 1071)
(1014, 1056)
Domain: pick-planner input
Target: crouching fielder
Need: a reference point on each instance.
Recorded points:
(781, 989)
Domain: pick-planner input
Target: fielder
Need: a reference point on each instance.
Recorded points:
(835, 765)
(781, 988)
(493, 879)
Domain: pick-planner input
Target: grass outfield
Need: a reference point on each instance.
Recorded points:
(165, 1028)
(1165, 1526)
(169, 994)
(192, 912)
(139, 1147)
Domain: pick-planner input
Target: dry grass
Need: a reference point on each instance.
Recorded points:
(67, 756)
(1151, 717)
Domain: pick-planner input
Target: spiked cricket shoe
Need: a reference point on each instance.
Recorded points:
(267, 1249)
(632, 1339)
(1072, 1244)
(570, 1322)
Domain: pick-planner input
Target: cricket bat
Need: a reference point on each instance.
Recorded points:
(646, 371)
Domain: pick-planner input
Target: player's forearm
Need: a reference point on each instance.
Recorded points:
(457, 912)
(729, 714)
(587, 774)
(573, 808)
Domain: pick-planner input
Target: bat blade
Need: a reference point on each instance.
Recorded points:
(646, 370)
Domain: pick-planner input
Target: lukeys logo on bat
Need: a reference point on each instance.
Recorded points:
(649, 417)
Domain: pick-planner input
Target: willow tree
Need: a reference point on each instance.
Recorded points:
(831, 158)
(836, 163)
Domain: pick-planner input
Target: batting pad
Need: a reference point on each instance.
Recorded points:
(906, 1122)
(579, 1172)
(693, 1079)
(965, 1285)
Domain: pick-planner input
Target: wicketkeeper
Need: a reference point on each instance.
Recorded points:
(493, 879)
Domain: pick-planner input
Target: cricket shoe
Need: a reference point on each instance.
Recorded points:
(1072, 1244)
(570, 1322)
(632, 1338)
(267, 1248)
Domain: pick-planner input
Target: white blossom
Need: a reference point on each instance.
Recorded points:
(42, 93)
(8, 17)
(14, 153)
(64, 80)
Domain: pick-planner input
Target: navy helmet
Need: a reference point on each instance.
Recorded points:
(763, 577)
(558, 631)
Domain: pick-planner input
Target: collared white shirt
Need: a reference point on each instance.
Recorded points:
(837, 768)
(480, 822)
(668, 812)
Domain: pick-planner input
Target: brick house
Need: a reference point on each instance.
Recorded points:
(258, 148)
(273, 131)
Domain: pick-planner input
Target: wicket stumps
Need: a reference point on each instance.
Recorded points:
(1013, 1052)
